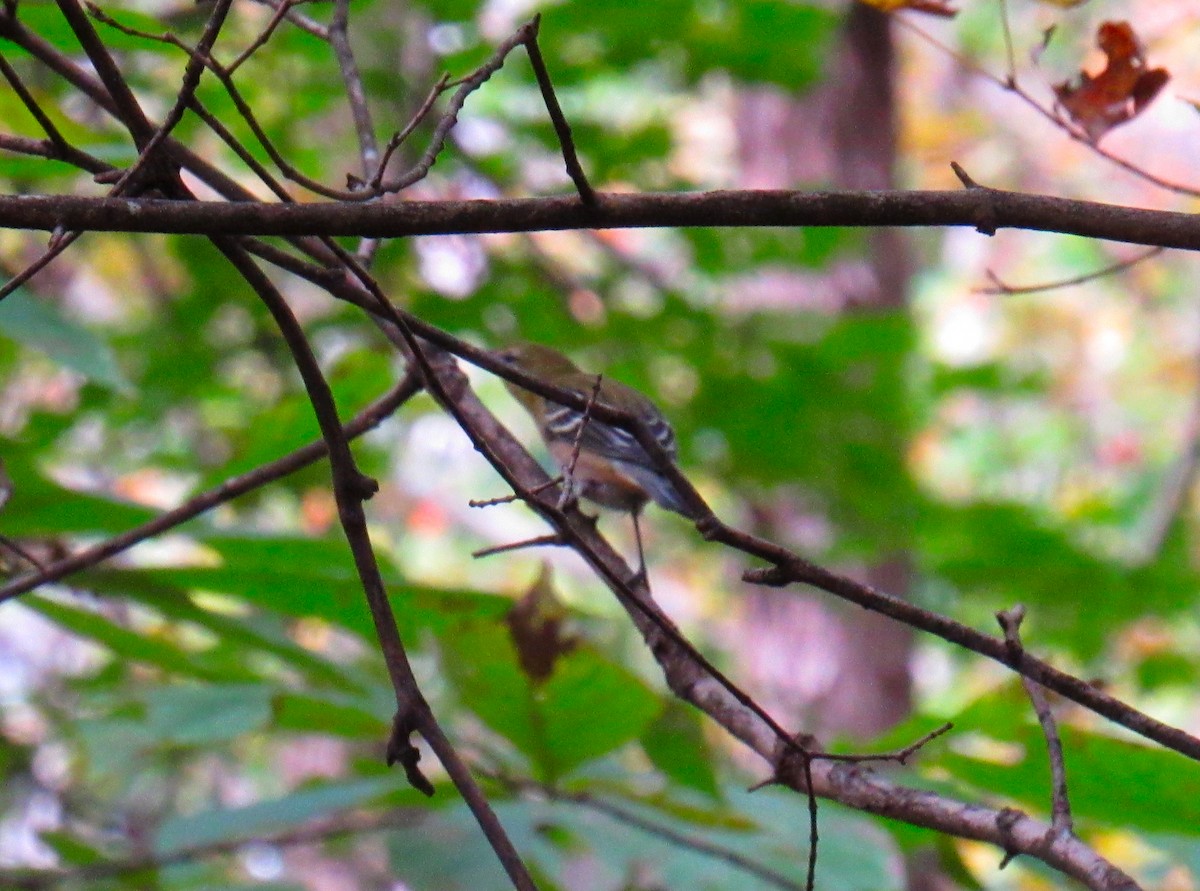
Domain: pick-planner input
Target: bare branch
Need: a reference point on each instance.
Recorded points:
(356, 96)
(52, 132)
(301, 21)
(736, 209)
(1000, 287)
(351, 488)
(566, 141)
(1010, 621)
(281, 12)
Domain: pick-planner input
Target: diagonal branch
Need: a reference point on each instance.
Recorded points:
(207, 500)
(693, 681)
(787, 567)
(351, 488)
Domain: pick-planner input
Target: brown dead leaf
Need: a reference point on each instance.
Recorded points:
(1118, 93)
(933, 7)
(536, 625)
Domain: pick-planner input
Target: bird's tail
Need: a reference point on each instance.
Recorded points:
(660, 489)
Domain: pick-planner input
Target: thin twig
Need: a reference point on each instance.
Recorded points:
(44, 148)
(569, 487)
(563, 129)
(900, 756)
(48, 127)
(810, 790)
(399, 137)
(541, 541)
(360, 110)
(1000, 287)
(356, 96)
(261, 40)
(465, 88)
(22, 552)
(509, 499)
(59, 242)
(301, 21)
(1010, 622)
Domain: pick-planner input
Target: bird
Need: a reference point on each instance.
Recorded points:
(611, 469)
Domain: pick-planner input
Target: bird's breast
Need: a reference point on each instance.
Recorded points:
(600, 480)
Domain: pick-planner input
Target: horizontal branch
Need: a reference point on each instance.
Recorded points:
(987, 210)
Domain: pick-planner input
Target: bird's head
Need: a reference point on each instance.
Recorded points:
(538, 360)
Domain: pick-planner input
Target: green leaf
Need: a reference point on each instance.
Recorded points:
(70, 849)
(764, 41)
(1112, 782)
(210, 827)
(675, 743)
(38, 325)
(41, 508)
(556, 724)
(206, 714)
(973, 547)
(260, 632)
(313, 714)
(130, 645)
(305, 577)
(821, 406)
(447, 853)
(770, 41)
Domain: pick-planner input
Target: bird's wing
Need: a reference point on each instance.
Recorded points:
(563, 423)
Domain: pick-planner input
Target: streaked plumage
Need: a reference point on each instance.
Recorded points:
(612, 469)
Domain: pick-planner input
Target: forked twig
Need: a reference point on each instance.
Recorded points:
(1010, 623)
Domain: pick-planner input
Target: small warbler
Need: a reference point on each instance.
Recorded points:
(612, 469)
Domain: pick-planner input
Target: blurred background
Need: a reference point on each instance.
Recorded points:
(936, 412)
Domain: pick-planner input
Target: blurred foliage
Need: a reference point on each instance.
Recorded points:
(220, 686)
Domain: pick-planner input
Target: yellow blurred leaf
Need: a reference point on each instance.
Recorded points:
(932, 7)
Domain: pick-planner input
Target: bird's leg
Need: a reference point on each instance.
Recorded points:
(640, 575)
